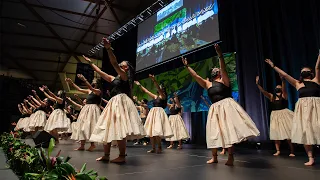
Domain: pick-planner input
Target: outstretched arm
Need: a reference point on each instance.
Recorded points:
(113, 60)
(95, 91)
(78, 99)
(317, 68)
(223, 70)
(102, 74)
(58, 99)
(202, 82)
(289, 78)
(37, 98)
(161, 93)
(153, 96)
(69, 81)
(74, 103)
(30, 104)
(264, 92)
(47, 95)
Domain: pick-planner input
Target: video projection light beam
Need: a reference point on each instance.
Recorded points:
(154, 8)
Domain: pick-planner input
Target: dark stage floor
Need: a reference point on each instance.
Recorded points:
(190, 163)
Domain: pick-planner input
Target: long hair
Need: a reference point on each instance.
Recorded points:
(131, 76)
(62, 94)
(98, 85)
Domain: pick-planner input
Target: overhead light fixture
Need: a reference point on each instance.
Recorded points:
(154, 8)
(22, 25)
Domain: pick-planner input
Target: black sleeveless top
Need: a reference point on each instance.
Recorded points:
(93, 99)
(279, 104)
(59, 106)
(175, 110)
(160, 103)
(218, 92)
(311, 89)
(41, 108)
(120, 86)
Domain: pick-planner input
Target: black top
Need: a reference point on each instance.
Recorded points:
(41, 108)
(175, 110)
(93, 99)
(279, 104)
(160, 103)
(218, 91)
(120, 86)
(311, 89)
(59, 106)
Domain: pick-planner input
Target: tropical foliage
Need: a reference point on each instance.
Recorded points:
(36, 164)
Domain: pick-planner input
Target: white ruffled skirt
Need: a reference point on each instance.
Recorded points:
(19, 124)
(157, 123)
(87, 120)
(26, 123)
(228, 124)
(38, 120)
(306, 121)
(57, 120)
(119, 120)
(74, 130)
(178, 127)
(281, 124)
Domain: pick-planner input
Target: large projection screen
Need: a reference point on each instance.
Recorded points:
(180, 27)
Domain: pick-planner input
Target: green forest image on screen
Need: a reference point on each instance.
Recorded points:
(180, 81)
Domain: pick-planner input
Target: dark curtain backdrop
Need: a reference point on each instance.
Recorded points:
(288, 32)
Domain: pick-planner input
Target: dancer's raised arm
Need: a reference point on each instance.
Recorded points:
(37, 99)
(104, 100)
(289, 78)
(284, 88)
(264, 92)
(202, 82)
(46, 94)
(78, 99)
(30, 104)
(317, 68)
(74, 103)
(153, 96)
(113, 60)
(223, 69)
(161, 92)
(91, 88)
(69, 81)
(58, 99)
(102, 74)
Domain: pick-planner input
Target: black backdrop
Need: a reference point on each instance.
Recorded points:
(288, 32)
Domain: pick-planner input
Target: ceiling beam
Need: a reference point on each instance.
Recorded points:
(116, 6)
(20, 66)
(54, 24)
(34, 12)
(41, 36)
(60, 10)
(109, 3)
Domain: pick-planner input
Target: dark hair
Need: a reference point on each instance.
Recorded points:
(98, 85)
(131, 75)
(62, 94)
(177, 97)
(301, 79)
(145, 101)
(163, 89)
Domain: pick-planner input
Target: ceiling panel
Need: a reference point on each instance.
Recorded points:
(21, 26)
(10, 9)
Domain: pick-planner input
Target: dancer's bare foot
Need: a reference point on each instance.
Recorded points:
(79, 149)
(310, 162)
(170, 147)
(277, 153)
(151, 151)
(179, 147)
(103, 159)
(292, 155)
(120, 159)
(223, 152)
(230, 160)
(91, 148)
(213, 160)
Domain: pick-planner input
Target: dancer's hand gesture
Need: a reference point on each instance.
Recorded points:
(86, 58)
(218, 49)
(68, 80)
(268, 61)
(34, 92)
(106, 43)
(151, 76)
(257, 79)
(81, 77)
(19, 105)
(45, 87)
(69, 98)
(137, 83)
(41, 89)
(184, 61)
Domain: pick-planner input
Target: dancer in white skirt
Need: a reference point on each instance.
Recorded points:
(20, 124)
(306, 119)
(75, 125)
(178, 127)
(157, 124)
(89, 113)
(227, 122)
(120, 119)
(281, 117)
(58, 120)
(143, 109)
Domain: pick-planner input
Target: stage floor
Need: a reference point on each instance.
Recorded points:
(190, 163)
